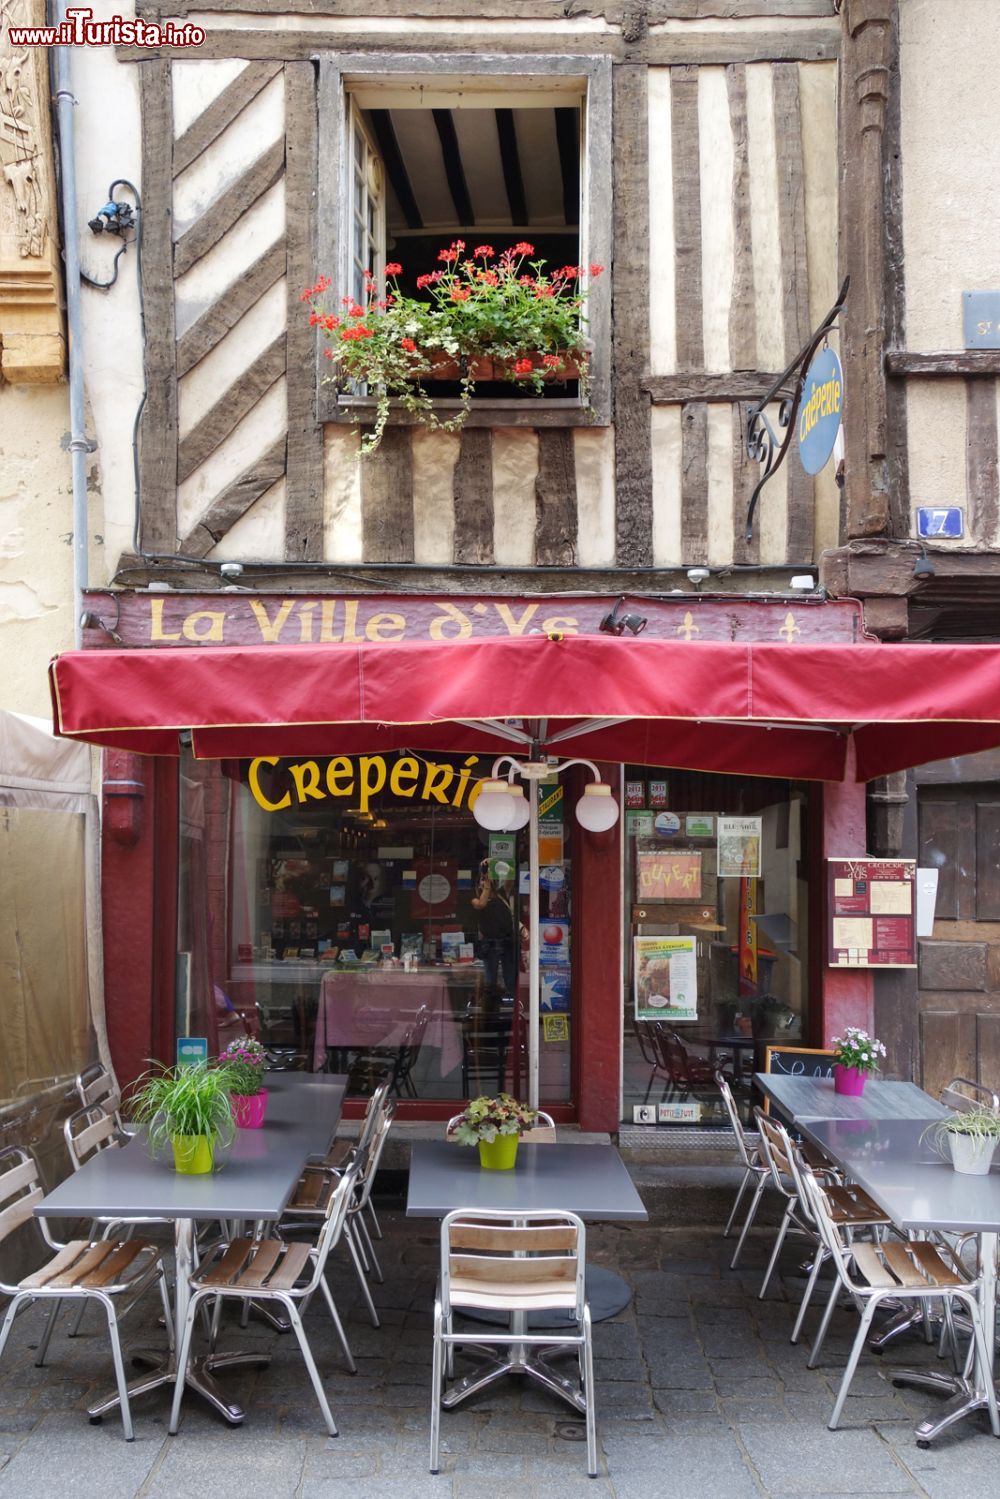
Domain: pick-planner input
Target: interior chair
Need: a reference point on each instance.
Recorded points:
(897, 1272)
(962, 1094)
(687, 1072)
(402, 1076)
(851, 1207)
(490, 1042)
(262, 1270)
(529, 1263)
(755, 1168)
(96, 1088)
(114, 1274)
(645, 1035)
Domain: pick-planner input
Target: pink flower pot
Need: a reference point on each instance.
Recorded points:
(249, 1109)
(848, 1080)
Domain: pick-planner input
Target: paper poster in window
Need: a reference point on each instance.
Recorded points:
(739, 848)
(666, 978)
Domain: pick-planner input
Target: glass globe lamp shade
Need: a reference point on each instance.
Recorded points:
(597, 809)
(494, 806)
(522, 809)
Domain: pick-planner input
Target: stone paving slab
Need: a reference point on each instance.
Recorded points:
(700, 1395)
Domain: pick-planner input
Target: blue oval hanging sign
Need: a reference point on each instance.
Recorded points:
(821, 410)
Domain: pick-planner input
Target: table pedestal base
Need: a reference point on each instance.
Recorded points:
(964, 1399)
(200, 1378)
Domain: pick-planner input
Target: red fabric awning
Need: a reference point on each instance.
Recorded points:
(752, 709)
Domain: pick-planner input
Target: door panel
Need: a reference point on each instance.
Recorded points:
(947, 1047)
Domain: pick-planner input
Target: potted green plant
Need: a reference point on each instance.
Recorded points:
(770, 1016)
(495, 1125)
(971, 1136)
(481, 317)
(856, 1054)
(246, 1062)
(187, 1108)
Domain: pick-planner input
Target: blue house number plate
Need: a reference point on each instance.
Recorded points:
(940, 520)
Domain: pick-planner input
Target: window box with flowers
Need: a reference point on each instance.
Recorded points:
(482, 317)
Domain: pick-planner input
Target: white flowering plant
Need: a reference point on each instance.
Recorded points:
(857, 1049)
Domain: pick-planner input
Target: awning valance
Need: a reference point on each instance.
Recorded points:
(744, 708)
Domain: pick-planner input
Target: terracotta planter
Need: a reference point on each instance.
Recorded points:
(443, 368)
(499, 1154)
(249, 1109)
(848, 1080)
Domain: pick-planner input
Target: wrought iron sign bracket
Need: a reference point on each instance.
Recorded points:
(762, 439)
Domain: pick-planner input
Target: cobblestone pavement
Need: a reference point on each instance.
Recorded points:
(700, 1396)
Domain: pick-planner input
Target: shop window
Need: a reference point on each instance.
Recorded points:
(353, 915)
(716, 907)
(482, 149)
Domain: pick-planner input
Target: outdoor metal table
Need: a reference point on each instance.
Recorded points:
(589, 1180)
(919, 1190)
(804, 1098)
(303, 1111)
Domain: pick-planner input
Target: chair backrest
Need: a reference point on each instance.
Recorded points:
(817, 1206)
(333, 1223)
(20, 1190)
(500, 1262)
(95, 1085)
(88, 1131)
(734, 1118)
(543, 1131)
(774, 1148)
(367, 1160)
(978, 1096)
(644, 1036)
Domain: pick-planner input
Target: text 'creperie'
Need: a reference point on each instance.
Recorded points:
(359, 780)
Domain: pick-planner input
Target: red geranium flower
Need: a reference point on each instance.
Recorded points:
(523, 367)
(460, 293)
(483, 250)
(552, 360)
(394, 268)
(408, 345)
(523, 248)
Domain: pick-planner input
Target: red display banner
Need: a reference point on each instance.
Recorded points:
(872, 913)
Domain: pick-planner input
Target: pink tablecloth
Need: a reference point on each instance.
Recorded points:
(377, 1009)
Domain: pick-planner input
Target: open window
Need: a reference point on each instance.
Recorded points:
(483, 149)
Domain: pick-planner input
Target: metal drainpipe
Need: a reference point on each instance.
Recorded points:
(71, 259)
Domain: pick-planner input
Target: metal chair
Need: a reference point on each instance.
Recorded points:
(529, 1263)
(645, 1035)
(982, 1097)
(915, 1271)
(115, 1274)
(96, 1088)
(262, 1270)
(754, 1168)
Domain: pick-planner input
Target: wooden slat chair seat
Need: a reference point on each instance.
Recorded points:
(849, 1204)
(115, 1274)
(913, 1271)
(529, 1263)
(262, 1270)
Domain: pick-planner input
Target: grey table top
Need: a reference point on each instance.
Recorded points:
(907, 1177)
(303, 1111)
(590, 1180)
(803, 1098)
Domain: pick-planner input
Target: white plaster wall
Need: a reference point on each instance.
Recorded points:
(36, 555)
(949, 66)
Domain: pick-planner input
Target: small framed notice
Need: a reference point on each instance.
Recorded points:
(871, 906)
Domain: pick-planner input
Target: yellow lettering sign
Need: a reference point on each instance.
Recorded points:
(156, 630)
(255, 788)
(270, 630)
(204, 624)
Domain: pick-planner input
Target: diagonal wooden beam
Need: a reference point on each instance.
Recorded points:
(453, 171)
(230, 409)
(229, 208)
(221, 112)
(568, 142)
(213, 325)
(510, 161)
(395, 167)
(234, 501)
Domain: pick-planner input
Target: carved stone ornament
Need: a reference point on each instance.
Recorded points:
(32, 348)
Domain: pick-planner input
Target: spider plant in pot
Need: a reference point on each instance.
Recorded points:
(495, 1125)
(188, 1109)
(971, 1136)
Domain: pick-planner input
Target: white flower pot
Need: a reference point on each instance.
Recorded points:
(971, 1155)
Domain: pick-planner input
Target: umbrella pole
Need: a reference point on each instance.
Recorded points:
(533, 955)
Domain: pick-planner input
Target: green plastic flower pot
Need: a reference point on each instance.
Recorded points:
(499, 1154)
(193, 1155)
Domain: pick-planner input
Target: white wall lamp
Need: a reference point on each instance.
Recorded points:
(502, 807)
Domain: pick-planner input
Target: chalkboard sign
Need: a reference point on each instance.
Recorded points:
(799, 1061)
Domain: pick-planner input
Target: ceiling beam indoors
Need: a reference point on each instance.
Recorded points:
(510, 162)
(452, 157)
(385, 135)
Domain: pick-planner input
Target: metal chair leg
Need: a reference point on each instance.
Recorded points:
(8, 1321)
(359, 1247)
(362, 1280)
(591, 1413)
(339, 1326)
(782, 1231)
(50, 1322)
(437, 1373)
(754, 1205)
(985, 1358)
(310, 1363)
(819, 1260)
(77, 1322)
(852, 1362)
(376, 1225)
(747, 1174)
(183, 1354)
(825, 1324)
(376, 1268)
(116, 1353)
(168, 1315)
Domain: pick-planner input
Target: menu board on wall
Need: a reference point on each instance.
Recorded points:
(872, 913)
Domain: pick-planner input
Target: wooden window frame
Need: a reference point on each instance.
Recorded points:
(338, 74)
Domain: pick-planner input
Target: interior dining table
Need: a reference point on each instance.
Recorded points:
(254, 1185)
(893, 1160)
